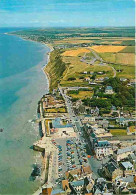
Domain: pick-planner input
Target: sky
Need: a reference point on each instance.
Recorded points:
(66, 13)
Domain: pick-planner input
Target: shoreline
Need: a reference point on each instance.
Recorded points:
(48, 60)
(41, 177)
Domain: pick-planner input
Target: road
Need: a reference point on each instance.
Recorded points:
(102, 62)
(93, 162)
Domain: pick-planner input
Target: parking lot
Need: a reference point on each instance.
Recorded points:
(71, 154)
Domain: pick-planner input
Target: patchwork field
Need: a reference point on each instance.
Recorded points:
(72, 41)
(119, 58)
(128, 49)
(76, 52)
(107, 48)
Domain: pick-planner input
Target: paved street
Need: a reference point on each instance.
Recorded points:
(93, 162)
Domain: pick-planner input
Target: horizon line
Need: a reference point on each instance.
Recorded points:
(67, 26)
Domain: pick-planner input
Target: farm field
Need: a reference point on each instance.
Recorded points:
(76, 52)
(107, 48)
(119, 58)
(128, 49)
(89, 39)
(73, 41)
(125, 58)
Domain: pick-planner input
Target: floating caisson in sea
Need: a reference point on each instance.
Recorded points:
(1, 129)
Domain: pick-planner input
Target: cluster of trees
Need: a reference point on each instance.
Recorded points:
(123, 96)
(71, 79)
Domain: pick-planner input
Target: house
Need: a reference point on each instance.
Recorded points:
(132, 159)
(79, 173)
(46, 190)
(123, 153)
(87, 79)
(122, 121)
(65, 186)
(126, 165)
(125, 184)
(123, 79)
(100, 187)
(95, 111)
(109, 90)
(131, 130)
(93, 83)
(78, 103)
(85, 72)
(104, 123)
(102, 148)
(112, 170)
(91, 73)
(77, 186)
(58, 192)
(88, 118)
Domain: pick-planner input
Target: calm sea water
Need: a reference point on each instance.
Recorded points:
(22, 83)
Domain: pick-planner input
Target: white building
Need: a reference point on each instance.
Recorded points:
(109, 90)
(102, 148)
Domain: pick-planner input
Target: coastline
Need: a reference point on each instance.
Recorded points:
(41, 177)
(48, 60)
(48, 54)
(30, 131)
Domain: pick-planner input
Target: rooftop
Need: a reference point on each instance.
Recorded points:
(86, 170)
(103, 143)
(65, 184)
(127, 149)
(111, 167)
(109, 88)
(127, 165)
(77, 183)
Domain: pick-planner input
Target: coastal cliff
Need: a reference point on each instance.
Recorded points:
(55, 69)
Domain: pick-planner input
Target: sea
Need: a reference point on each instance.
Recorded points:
(22, 84)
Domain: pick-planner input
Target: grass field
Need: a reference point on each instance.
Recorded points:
(107, 48)
(118, 132)
(126, 71)
(76, 68)
(82, 94)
